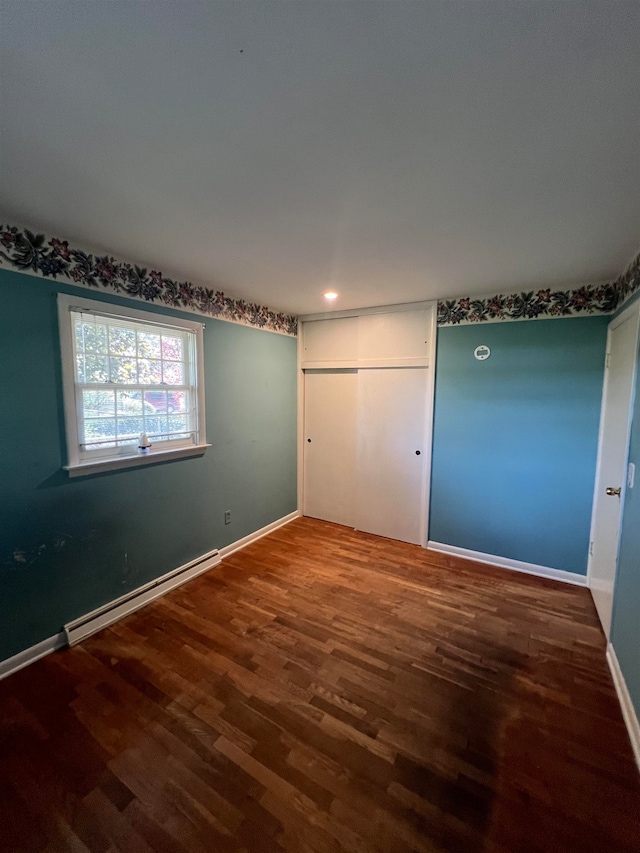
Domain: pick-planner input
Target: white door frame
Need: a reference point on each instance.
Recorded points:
(625, 315)
(428, 432)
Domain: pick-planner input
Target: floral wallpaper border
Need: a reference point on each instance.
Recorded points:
(629, 282)
(542, 304)
(26, 251)
(531, 305)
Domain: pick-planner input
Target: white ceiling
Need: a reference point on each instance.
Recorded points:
(391, 151)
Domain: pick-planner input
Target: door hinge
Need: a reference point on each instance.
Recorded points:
(606, 364)
(591, 548)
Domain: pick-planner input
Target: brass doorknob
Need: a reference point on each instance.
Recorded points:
(612, 491)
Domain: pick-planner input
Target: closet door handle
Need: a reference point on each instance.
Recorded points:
(417, 453)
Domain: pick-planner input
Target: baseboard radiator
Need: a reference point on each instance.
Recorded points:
(106, 615)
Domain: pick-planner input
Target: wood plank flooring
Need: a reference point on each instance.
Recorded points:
(325, 690)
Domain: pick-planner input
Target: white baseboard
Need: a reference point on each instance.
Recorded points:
(506, 563)
(32, 654)
(628, 711)
(258, 534)
(98, 619)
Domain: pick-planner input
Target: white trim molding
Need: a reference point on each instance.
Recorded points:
(228, 550)
(599, 485)
(85, 458)
(506, 563)
(628, 711)
(32, 654)
(396, 308)
(361, 363)
(98, 466)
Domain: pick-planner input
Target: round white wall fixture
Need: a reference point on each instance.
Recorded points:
(482, 352)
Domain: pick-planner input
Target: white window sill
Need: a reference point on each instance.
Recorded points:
(97, 466)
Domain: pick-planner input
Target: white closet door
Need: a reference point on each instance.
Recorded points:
(391, 428)
(330, 401)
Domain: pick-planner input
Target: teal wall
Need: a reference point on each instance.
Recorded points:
(515, 439)
(625, 626)
(69, 545)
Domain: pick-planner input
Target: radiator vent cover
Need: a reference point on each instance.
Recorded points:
(106, 615)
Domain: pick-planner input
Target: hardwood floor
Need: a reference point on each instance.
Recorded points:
(325, 690)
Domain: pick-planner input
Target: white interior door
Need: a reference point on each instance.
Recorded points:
(391, 452)
(613, 451)
(330, 424)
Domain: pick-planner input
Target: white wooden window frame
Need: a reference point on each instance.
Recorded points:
(82, 461)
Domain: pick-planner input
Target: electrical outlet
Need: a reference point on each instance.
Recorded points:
(227, 517)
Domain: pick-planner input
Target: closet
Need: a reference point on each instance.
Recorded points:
(367, 406)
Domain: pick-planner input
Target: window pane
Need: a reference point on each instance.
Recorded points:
(122, 341)
(177, 401)
(95, 369)
(155, 423)
(123, 371)
(156, 401)
(148, 345)
(177, 423)
(91, 338)
(99, 428)
(149, 372)
(172, 348)
(131, 427)
(129, 402)
(173, 373)
(97, 404)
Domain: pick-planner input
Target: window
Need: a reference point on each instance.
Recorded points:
(128, 373)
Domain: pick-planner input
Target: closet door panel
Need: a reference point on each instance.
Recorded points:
(330, 445)
(390, 473)
(331, 340)
(405, 334)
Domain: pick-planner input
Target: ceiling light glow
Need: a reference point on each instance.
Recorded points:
(331, 295)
